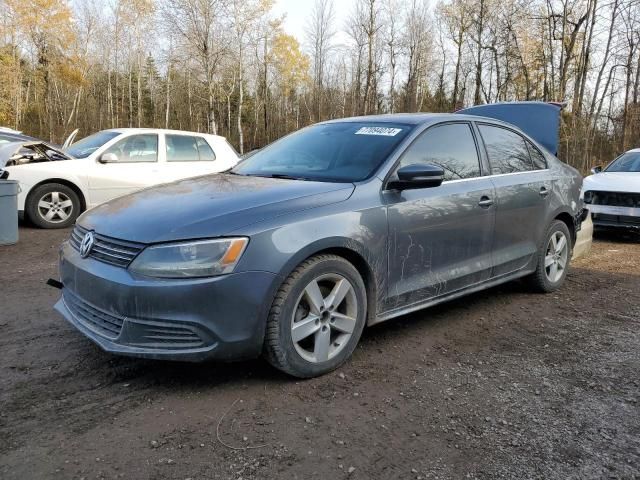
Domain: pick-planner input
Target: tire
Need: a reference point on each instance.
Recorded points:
(53, 205)
(322, 340)
(543, 280)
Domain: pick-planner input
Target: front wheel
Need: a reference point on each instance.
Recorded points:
(53, 205)
(553, 259)
(316, 318)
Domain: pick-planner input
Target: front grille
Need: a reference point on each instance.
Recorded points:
(616, 220)
(614, 199)
(106, 249)
(96, 320)
(168, 336)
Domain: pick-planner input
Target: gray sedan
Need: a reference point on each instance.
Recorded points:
(335, 227)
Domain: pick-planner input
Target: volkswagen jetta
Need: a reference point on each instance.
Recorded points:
(340, 225)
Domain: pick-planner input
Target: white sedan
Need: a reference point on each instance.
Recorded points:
(612, 194)
(109, 164)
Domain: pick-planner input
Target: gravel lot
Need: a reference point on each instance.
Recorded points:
(503, 383)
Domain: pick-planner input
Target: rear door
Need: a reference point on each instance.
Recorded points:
(522, 190)
(440, 238)
(188, 156)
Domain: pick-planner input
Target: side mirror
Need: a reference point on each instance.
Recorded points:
(596, 169)
(418, 176)
(108, 158)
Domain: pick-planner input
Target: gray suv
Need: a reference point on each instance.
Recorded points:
(335, 227)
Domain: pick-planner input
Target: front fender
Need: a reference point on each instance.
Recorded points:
(32, 175)
(280, 245)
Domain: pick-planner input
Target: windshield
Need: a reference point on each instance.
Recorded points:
(342, 152)
(628, 162)
(88, 145)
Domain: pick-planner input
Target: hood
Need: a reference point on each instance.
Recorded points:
(20, 153)
(208, 206)
(613, 182)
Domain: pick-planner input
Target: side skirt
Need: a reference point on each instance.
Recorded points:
(388, 315)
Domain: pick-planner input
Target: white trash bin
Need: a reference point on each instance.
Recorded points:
(8, 212)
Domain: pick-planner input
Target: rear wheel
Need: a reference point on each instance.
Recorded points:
(53, 205)
(553, 258)
(317, 317)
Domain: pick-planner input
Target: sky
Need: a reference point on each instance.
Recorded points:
(297, 12)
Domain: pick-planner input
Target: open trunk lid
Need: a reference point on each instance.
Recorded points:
(539, 120)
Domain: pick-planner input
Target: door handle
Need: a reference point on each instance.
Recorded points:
(485, 202)
(543, 191)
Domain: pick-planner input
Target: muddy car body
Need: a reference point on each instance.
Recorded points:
(341, 225)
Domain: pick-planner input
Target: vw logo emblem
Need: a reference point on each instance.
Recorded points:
(86, 245)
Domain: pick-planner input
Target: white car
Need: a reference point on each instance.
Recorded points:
(57, 185)
(612, 194)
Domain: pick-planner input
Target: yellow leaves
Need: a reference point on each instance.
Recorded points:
(70, 73)
(9, 76)
(43, 21)
(292, 66)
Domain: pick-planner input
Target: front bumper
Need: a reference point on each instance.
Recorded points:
(609, 216)
(221, 318)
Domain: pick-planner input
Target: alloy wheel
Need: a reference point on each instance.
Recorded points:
(324, 318)
(555, 260)
(55, 207)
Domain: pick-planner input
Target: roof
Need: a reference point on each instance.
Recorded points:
(159, 130)
(406, 118)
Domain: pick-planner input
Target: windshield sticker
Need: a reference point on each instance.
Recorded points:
(383, 131)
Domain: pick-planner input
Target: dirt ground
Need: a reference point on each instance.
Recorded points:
(501, 384)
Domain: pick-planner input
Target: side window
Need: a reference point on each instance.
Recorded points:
(539, 162)
(186, 148)
(506, 149)
(136, 148)
(450, 146)
(181, 148)
(204, 149)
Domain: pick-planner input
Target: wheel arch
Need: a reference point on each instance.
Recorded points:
(73, 186)
(568, 220)
(354, 253)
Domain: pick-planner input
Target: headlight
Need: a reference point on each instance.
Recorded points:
(203, 258)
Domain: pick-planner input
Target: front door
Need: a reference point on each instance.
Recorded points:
(440, 238)
(134, 165)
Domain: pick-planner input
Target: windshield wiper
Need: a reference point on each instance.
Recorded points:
(283, 176)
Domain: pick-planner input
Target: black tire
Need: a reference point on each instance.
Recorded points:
(539, 280)
(279, 348)
(37, 214)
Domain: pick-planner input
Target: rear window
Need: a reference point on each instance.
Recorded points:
(539, 162)
(507, 150)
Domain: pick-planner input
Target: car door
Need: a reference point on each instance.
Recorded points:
(132, 164)
(440, 238)
(187, 156)
(522, 189)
